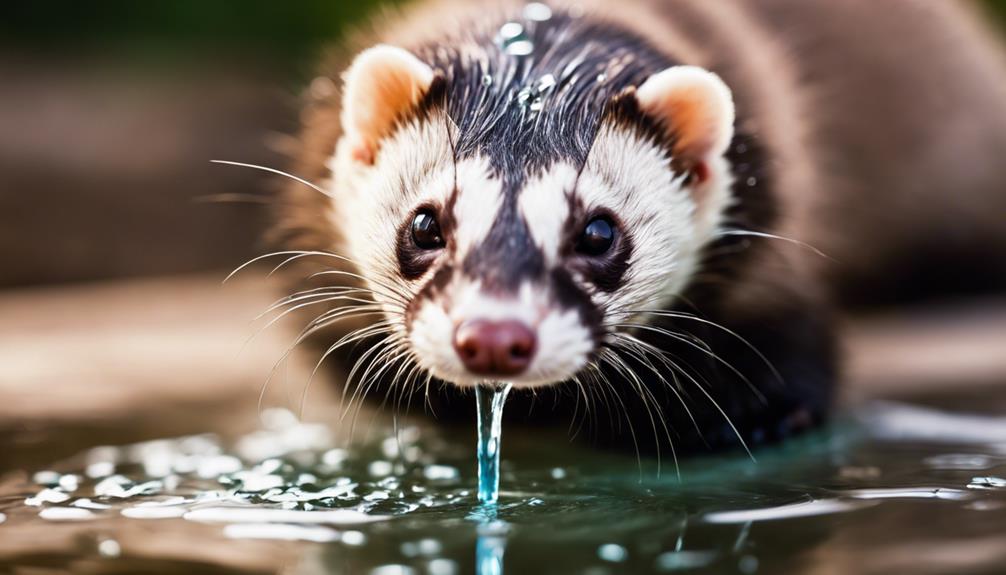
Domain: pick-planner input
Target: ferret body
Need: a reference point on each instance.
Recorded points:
(623, 208)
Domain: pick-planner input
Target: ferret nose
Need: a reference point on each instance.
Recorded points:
(495, 348)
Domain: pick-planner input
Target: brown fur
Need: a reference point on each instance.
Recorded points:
(884, 123)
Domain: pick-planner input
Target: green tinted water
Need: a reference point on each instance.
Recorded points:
(890, 489)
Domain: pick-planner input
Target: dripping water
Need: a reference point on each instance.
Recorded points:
(490, 399)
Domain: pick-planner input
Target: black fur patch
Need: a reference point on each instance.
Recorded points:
(590, 61)
(508, 256)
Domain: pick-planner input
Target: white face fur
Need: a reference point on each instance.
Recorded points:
(383, 180)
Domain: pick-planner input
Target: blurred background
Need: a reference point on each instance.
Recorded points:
(115, 228)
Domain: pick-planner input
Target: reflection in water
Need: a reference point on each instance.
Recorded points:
(491, 543)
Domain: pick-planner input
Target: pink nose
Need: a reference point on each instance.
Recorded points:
(495, 348)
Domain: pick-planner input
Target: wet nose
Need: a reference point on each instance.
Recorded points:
(495, 348)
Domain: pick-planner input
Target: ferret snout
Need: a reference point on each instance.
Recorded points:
(495, 348)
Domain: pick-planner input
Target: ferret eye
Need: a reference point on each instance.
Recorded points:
(597, 237)
(426, 231)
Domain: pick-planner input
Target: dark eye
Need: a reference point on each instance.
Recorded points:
(597, 237)
(426, 231)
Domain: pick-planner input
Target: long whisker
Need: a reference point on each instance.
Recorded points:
(275, 171)
(705, 350)
(746, 343)
(736, 232)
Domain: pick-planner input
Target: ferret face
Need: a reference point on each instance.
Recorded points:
(519, 271)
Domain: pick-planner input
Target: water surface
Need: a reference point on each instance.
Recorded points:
(888, 488)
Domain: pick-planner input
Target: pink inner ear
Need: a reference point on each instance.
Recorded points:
(363, 153)
(700, 172)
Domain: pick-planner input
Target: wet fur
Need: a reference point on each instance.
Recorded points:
(881, 154)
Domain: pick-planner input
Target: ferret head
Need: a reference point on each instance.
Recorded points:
(515, 213)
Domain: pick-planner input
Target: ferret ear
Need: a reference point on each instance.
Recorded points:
(383, 83)
(698, 109)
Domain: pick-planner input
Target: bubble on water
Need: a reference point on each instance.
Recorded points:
(109, 548)
(426, 547)
(537, 12)
(442, 567)
(214, 466)
(959, 461)
(47, 495)
(988, 482)
(121, 487)
(380, 468)
(254, 482)
(85, 503)
(69, 482)
(313, 533)
(429, 547)
(558, 473)
(354, 538)
(66, 514)
(440, 473)
(377, 496)
(612, 552)
(112, 486)
(392, 570)
(99, 469)
(390, 447)
(334, 458)
(47, 478)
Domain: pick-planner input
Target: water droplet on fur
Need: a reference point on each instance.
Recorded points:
(514, 40)
(511, 31)
(520, 48)
(487, 80)
(546, 83)
(602, 78)
(752, 181)
(537, 12)
(537, 105)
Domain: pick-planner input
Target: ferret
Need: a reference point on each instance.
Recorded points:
(642, 214)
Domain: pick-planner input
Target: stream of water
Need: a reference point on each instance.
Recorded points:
(490, 400)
